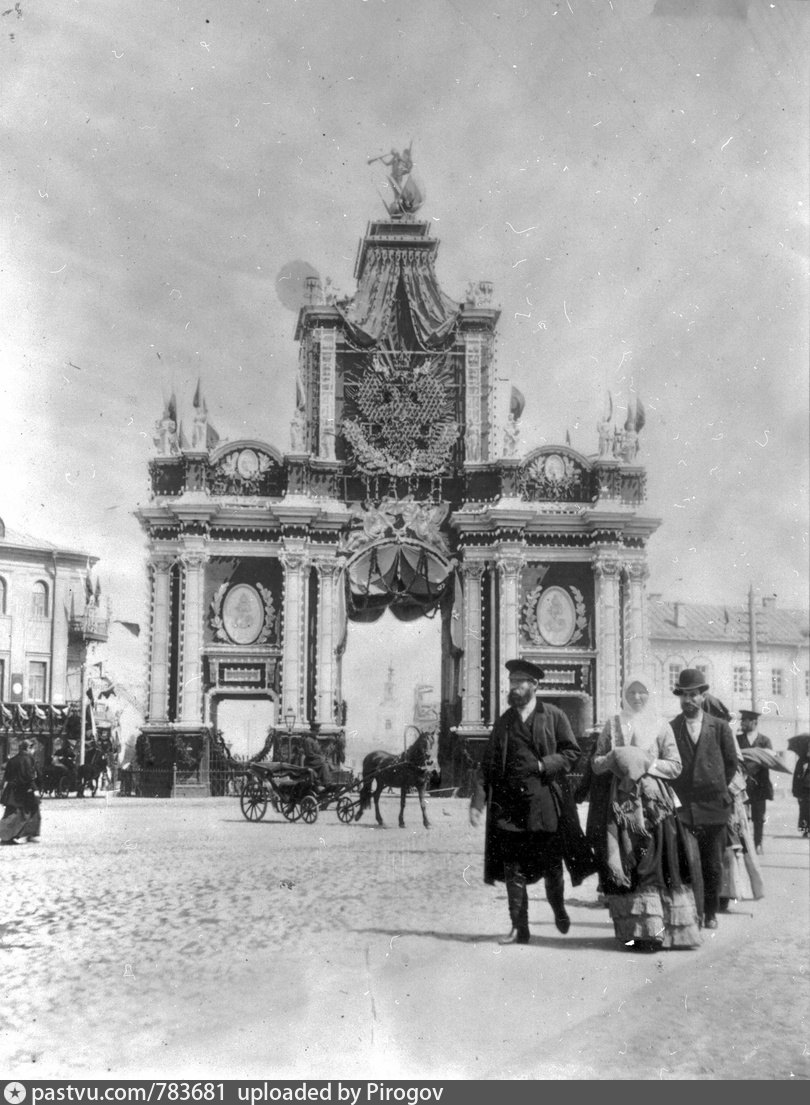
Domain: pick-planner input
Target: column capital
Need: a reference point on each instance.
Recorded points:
(509, 564)
(294, 559)
(473, 569)
(607, 567)
(193, 559)
(326, 567)
(162, 563)
(637, 570)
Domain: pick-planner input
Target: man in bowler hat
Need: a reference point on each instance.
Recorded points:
(758, 782)
(530, 749)
(709, 758)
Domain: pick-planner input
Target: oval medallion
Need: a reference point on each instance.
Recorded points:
(243, 614)
(247, 464)
(556, 616)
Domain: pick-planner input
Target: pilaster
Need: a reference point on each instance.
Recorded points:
(471, 701)
(326, 413)
(328, 670)
(607, 569)
(510, 564)
(159, 648)
(296, 562)
(636, 630)
(193, 563)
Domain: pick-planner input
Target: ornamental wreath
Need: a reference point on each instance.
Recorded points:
(529, 620)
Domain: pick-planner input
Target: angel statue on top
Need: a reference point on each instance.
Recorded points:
(409, 194)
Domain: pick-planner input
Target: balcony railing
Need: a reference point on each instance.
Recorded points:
(90, 627)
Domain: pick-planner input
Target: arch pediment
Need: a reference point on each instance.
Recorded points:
(246, 467)
(557, 474)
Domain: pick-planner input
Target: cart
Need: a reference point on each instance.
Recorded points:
(295, 793)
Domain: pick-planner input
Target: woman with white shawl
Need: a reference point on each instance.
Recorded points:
(652, 873)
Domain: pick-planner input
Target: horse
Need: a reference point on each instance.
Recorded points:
(413, 768)
(87, 774)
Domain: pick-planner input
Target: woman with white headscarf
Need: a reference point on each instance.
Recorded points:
(651, 873)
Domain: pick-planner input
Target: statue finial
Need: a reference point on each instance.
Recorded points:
(409, 195)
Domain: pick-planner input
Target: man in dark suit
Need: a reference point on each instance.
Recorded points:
(529, 751)
(758, 782)
(709, 758)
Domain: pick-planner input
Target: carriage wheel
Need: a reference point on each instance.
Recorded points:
(62, 786)
(290, 810)
(253, 802)
(345, 810)
(309, 809)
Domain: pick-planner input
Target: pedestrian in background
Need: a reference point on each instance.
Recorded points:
(709, 762)
(801, 779)
(758, 784)
(21, 817)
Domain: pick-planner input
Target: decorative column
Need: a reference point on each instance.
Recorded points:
(327, 689)
(510, 565)
(293, 660)
(473, 347)
(472, 573)
(636, 638)
(190, 706)
(159, 662)
(326, 392)
(606, 570)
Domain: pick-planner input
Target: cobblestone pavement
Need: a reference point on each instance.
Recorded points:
(161, 938)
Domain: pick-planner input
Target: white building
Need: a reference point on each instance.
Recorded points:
(716, 639)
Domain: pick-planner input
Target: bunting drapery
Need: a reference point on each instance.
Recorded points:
(433, 314)
(404, 578)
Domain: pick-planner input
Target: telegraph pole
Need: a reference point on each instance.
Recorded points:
(752, 643)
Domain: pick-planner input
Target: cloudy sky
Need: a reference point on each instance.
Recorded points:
(631, 174)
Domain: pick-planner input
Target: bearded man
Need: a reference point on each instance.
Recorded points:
(530, 750)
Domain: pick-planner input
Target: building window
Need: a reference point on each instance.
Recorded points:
(807, 684)
(777, 681)
(39, 600)
(2, 680)
(388, 724)
(37, 680)
(674, 672)
(742, 679)
(2, 596)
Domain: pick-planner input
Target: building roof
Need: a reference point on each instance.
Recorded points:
(16, 539)
(687, 621)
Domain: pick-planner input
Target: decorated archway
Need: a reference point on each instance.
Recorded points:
(403, 490)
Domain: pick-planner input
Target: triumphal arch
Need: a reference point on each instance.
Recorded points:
(402, 490)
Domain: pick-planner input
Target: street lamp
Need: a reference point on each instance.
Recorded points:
(289, 721)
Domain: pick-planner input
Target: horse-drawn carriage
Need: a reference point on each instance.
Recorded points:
(295, 792)
(62, 776)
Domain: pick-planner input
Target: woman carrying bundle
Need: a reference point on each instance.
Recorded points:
(651, 873)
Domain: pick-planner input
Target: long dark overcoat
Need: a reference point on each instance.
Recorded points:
(708, 767)
(519, 797)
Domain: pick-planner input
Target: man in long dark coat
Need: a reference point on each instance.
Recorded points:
(529, 751)
(709, 758)
(21, 817)
(758, 782)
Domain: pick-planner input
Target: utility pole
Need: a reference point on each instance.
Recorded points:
(752, 644)
(83, 710)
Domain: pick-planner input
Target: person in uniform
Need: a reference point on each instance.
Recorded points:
(530, 750)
